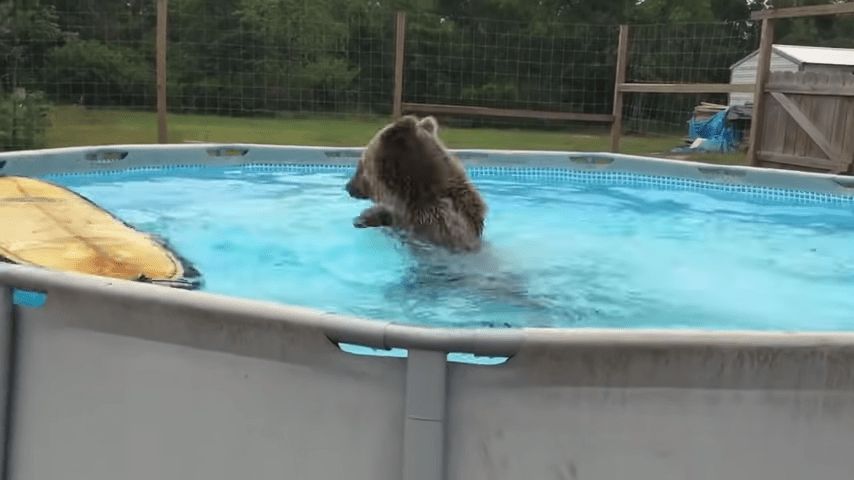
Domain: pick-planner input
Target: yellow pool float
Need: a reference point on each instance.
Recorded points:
(46, 225)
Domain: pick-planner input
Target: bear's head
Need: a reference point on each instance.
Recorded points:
(405, 164)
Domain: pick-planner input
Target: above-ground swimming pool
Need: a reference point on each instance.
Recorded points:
(565, 247)
(656, 253)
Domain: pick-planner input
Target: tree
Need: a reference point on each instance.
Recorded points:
(27, 31)
(819, 31)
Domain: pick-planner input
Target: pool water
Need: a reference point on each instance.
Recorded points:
(562, 250)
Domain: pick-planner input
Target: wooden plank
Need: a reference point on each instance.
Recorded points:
(160, 56)
(817, 109)
(836, 119)
(762, 67)
(834, 90)
(808, 127)
(846, 123)
(500, 112)
(809, 11)
(773, 129)
(806, 106)
(399, 42)
(797, 137)
(811, 162)
(685, 88)
(797, 168)
(784, 130)
(622, 66)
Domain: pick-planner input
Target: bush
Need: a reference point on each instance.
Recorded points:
(23, 120)
(93, 73)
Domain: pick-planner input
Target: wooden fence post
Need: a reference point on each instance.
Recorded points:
(160, 67)
(622, 67)
(762, 71)
(399, 41)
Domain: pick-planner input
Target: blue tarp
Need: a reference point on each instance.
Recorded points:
(717, 134)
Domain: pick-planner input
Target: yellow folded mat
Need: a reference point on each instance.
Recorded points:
(46, 225)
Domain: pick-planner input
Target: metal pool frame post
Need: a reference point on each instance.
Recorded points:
(7, 375)
(424, 425)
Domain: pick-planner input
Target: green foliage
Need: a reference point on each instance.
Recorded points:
(248, 57)
(671, 11)
(90, 72)
(491, 94)
(23, 120)
(109, 21)
(27, 32)
(544, 66)
(822, 31)
(291, 24)
(328, 73)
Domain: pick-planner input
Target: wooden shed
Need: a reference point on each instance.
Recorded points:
(790, 58)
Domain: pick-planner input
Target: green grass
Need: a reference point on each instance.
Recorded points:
(72, 126)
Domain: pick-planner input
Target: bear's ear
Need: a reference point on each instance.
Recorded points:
(429, 123)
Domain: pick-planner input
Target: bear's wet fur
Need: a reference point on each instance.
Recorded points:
(418, 187)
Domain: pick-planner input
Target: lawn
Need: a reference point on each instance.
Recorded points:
(73, 126)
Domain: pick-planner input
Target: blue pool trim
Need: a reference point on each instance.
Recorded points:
(117, 158)
(454, 357)
(28, 298)
(611, 178)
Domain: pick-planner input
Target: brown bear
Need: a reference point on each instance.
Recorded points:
(418, 187)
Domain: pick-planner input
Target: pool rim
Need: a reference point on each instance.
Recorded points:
(387, 335)
(117, 158)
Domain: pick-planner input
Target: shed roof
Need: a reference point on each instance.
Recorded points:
(812, 55)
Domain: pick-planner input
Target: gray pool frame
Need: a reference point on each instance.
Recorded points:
(178, 381)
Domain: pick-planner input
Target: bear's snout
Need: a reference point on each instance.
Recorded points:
(355, 192)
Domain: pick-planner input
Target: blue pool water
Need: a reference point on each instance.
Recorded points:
(564, 250)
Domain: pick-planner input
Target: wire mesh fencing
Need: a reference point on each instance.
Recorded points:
(681, 53)
(284, 57)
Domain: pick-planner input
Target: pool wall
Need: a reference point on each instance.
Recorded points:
(110, 379)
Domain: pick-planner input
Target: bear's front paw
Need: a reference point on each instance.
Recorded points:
(376, 216)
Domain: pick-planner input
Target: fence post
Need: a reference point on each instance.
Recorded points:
(399, 40)
(622, 67)
(160, 55)
(762, 71)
